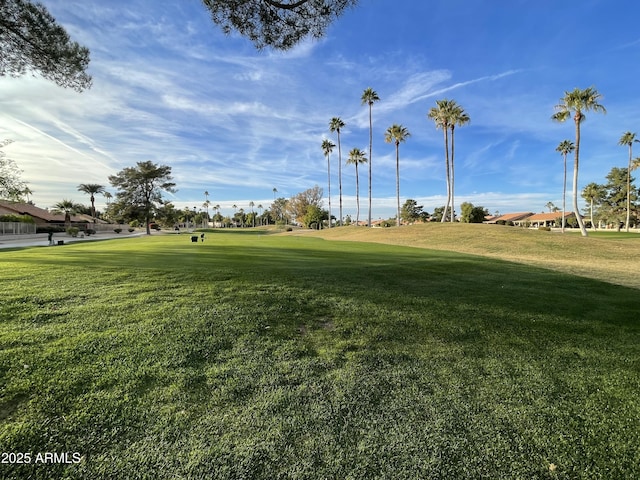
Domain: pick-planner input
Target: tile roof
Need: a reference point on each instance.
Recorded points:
(35, 212)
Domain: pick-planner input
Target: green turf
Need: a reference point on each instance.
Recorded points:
(253, 356)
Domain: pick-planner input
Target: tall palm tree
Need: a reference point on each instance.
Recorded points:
(565, 148)
(369, 97)
(396, 134)
(253, 218)
(26, 191)
(68, 208)
(335, 125)
(206, 204)
(91, 189)
(356, 157)
(628, 139)
(576, 103)
(216, 207)
(275, 190)
(108, 196)
(260, 208)
(458, 117)
(593, 193)
(327, 148)
(440, 114)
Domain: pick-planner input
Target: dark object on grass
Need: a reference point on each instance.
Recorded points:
(202, 237)
(194, 238)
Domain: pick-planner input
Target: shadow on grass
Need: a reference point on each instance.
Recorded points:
(259, 356)
(373, 273)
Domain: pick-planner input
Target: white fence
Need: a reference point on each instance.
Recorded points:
(17, 228)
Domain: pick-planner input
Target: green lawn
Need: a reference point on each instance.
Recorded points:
(256, 356)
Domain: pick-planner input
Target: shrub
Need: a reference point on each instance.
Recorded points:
(50, 229)
(16, 218)
(132, 230)
(117, 230)
(90, 231)
(545, 229)
(289, 229)
(73, 231)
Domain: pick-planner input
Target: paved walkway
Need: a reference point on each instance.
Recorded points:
(42, 239)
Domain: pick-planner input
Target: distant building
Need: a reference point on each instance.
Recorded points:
(41, 216)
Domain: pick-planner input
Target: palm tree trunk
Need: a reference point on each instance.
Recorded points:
(564, 194)
(93, 208)
(357, 198)
(340, 175)
(583, 230)
(453, 210)
(446, 161)
(593, 225)
(629, 192)
(398, 183)
(329, 186)
(370, 161)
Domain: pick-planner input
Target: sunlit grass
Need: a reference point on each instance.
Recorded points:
(279, 356)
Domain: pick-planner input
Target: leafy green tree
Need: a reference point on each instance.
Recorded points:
(279, 209)
(628, 139)
(327, 148)
(142, 186)
(31, 41)
(91, 189)
(314, 216)
(396, 134)
(411, 211)
(439, 213)
(614, 205)
(575, 103)
(335, 125)
(357, 157)
(594, 194)
(369, 97)
(299, 204)
(565, 147)
(166, 214)
(279, 24)
(12, 187)
(471, 214)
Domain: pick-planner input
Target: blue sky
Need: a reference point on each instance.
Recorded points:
(169, 87)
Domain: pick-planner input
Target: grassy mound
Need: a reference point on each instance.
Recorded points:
(606, 255)
(292, 357)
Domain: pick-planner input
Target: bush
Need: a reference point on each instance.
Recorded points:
(132, 230)
(90, 231)
(545, 229)
(289, 229)
(117, 230)
(50, 229)
(17, 218)
(73, 231)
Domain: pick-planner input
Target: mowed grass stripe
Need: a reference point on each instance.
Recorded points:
(265, 356)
